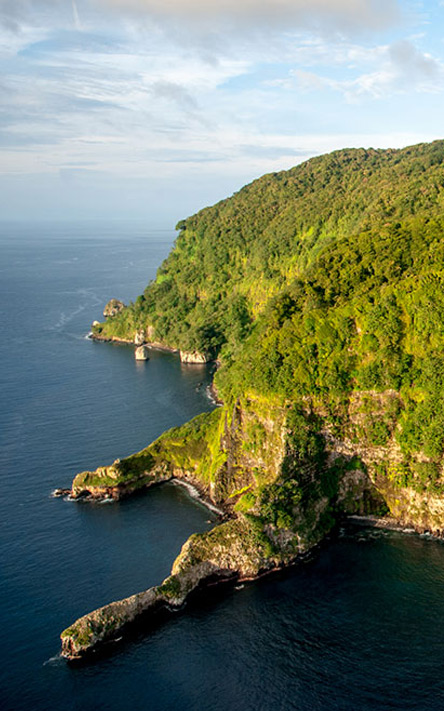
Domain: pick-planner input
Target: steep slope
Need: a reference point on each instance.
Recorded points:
(321, 290)
(230, 259)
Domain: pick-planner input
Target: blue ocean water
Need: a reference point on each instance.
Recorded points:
(357, 627)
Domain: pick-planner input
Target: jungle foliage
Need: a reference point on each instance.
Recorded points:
(318, 282)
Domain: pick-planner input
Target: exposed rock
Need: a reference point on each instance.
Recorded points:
(95, 323)
(230, 454)
(61, 492)
(233, 550)
(252, 450)
(113, 307)
(193, 357)
(144, 335)
(142, 353)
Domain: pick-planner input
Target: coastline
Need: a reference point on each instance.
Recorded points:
(154, 345)
(196, 494)
(116, 622)
(391, 524)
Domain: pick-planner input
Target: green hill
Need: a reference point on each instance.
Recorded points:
(321, 291)
(230, 259)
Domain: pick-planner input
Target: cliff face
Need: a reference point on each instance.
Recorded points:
(223, 453)
(282, 484)
(243, 458)
(321, 291)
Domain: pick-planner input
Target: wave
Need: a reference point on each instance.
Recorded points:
(66, 318)
(91, 301)
(210, 395)
(54, 661)
(195, 494)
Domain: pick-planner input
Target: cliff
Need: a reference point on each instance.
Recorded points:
(320, 291)
(264, 464)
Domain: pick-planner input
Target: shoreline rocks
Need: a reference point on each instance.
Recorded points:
(193, 357)
(142, 353)
(230, 551)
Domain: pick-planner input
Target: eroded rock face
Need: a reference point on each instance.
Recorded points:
(230, 453)
(113, 307)
(193, 357)
(144, 335)
(234, 549)
(142, 353)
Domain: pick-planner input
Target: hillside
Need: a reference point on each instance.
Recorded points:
(320, 289)
(230, 259)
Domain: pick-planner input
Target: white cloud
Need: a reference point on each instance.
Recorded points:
(16, 13)
(215, 16)
(148, 91)
(401, 68)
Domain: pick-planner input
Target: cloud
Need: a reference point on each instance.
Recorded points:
(288, 14)
(75, 14)
(16, 13)
(176, 93)
(402, 68)
(409, 60)
(216, 15)
(271, 152)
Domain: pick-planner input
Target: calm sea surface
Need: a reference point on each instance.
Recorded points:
(359, 627)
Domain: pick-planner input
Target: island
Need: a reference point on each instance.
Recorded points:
(318, 292)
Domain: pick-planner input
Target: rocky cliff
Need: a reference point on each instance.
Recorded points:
(254, 460)
(320, 289)
(283, 479)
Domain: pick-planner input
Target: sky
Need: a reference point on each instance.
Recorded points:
(152, 109)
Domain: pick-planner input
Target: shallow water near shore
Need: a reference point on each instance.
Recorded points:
(357, 626)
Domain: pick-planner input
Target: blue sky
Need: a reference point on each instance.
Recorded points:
(150, 110)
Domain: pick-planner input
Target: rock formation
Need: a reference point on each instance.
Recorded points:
(113, 307)
(193, 357)
(322, 293)
(230, 454)
(142, 353)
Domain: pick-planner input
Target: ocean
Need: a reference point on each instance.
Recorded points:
(357, 626)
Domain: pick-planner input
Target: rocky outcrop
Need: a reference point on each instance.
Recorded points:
(193, 357)
(144, 335)
(410, 488)
(221, 453)
(235, 550)
(142, 353)
(246, 458)
(113, 307)
(119, 480)
(232, 454)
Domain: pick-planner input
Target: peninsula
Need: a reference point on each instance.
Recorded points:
(319, 290)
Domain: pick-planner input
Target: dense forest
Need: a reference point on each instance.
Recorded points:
(316, 283)
(320, 290)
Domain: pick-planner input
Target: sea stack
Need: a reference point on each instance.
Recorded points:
(142, 353)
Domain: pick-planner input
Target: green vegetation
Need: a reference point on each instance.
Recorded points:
(171, 587)
(319, 288)
(279, 503)
(321, 291)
